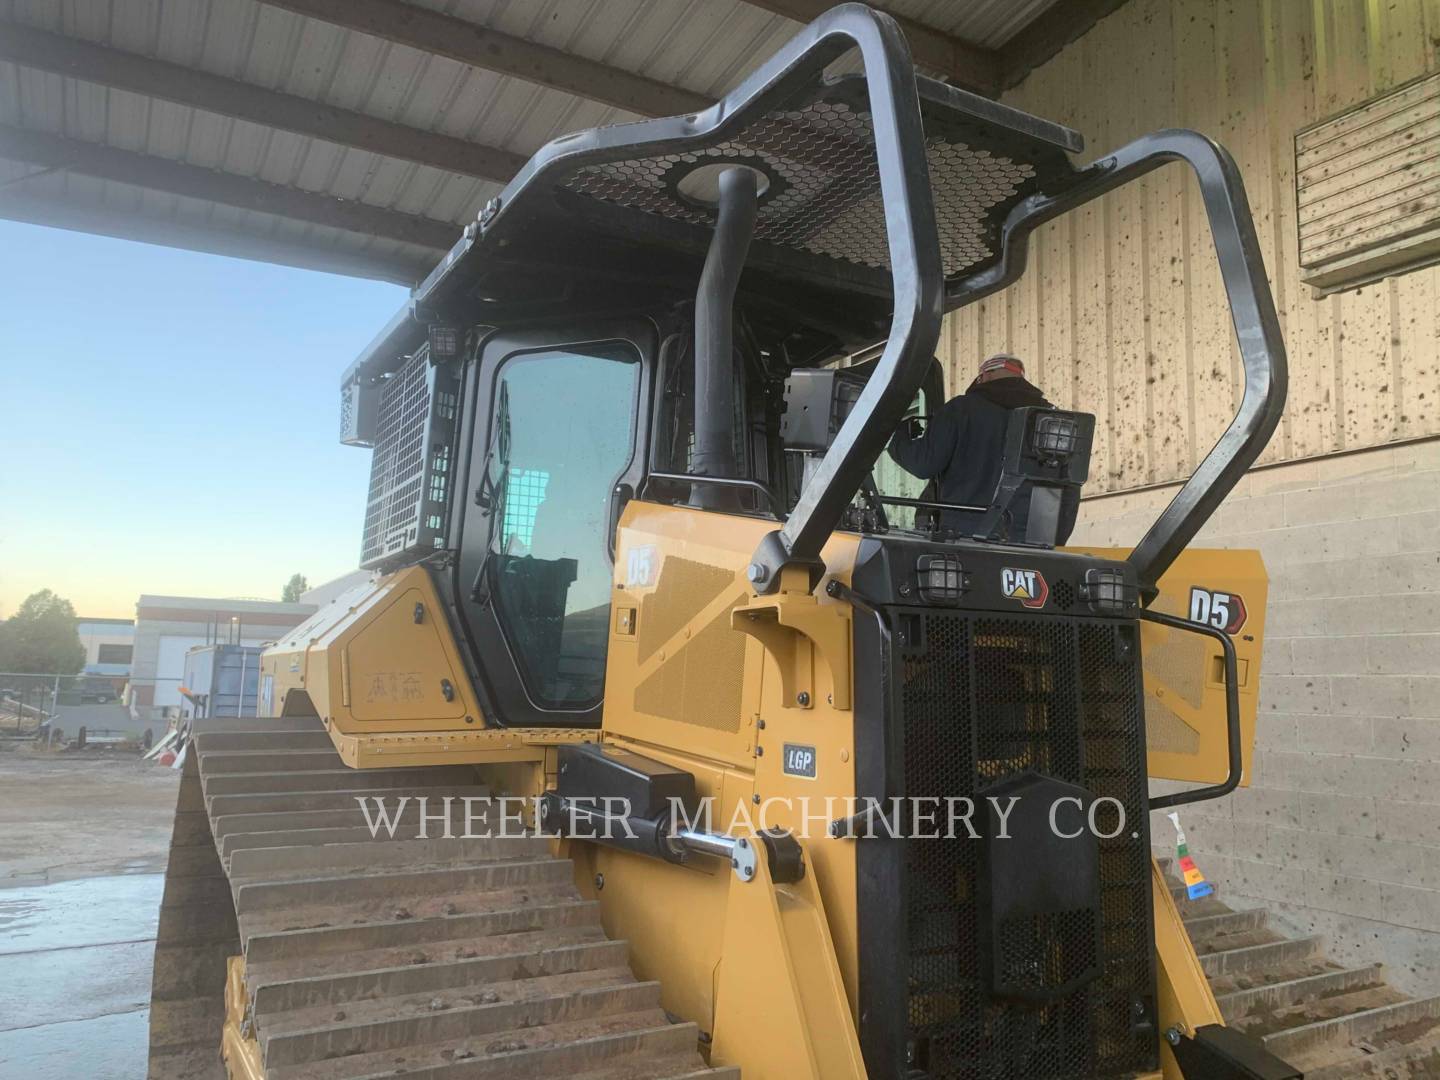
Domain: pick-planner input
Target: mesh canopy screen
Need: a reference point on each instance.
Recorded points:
(821, 187)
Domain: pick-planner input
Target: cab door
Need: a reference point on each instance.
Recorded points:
(556, 441)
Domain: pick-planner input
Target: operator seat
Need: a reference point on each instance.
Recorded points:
(1046, 462)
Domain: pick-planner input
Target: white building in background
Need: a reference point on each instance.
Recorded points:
(167, 627)
(109, 645)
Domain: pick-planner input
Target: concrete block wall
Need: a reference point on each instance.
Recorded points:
(1339, 833)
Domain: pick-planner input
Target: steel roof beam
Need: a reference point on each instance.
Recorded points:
(475, 45)
(232, 243)
(1052, 31)
(964, 63)
(105, 66)
(229, 189)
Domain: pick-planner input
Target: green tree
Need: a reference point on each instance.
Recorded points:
(293, 588)
(41, 637)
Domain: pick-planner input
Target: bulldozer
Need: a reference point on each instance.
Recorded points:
(674, 735)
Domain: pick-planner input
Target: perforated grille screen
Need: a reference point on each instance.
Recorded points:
(986, 698)
(411, 465)
(699, 682)
(823, 194)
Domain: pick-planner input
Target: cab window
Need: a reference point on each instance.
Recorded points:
(891, 479)
(562, 434)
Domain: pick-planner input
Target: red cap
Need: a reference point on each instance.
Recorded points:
(1003, 362)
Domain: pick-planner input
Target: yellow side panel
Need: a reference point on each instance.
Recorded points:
(381, 668)
(682, 685)
(380, 658)
(1184, 672)
(394, 670)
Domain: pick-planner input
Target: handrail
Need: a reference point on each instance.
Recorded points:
(927, 504)
(1232, 715)
(776, 508)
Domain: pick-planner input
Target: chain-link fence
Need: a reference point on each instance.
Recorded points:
(88, 709)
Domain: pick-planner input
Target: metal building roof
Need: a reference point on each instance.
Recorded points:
(359, 136)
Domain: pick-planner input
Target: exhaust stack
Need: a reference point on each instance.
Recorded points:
(715, 337)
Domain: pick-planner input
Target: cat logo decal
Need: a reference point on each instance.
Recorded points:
(1027, 586)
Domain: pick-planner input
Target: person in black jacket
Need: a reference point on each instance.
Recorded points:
(962, 447)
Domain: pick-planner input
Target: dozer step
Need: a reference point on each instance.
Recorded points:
(367, 854)
(1319, 1011)
(222, 807)
(352, 834)
(544, 952)
(1277, 995)
(544, 910)
(207, 741)
(406, 817)
(1301, 968)
(1326, 1021)
(256, 725)
(549, 1050)
(1256, 957)
(554, 918)
(370, 954)
(1233, 942)
(1211, 933)
(1410, 1017)
(521, 883)
(195, 1062)
(1406, 1052)
(373, 892)
(355, 833)
(230, 762)
(271, 783)
(388, 1023)
(1193, 909)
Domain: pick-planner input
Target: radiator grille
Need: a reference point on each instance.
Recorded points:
(984, 698)
(411, 466)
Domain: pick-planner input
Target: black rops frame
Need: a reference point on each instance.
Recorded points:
(914, 254)
(920, 292)
(1252, 311)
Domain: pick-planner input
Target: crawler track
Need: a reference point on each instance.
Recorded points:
(442, 959)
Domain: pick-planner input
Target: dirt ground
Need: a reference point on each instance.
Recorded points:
(83, 842)
(73, 814)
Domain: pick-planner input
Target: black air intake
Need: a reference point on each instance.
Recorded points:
(1029, 957)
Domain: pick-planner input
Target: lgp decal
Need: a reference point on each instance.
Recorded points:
(1222, 610)
(799, 761)
(1027, 586)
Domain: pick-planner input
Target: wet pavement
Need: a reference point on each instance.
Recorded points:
(75, 962)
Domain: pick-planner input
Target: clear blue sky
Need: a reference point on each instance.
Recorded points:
(168, 421)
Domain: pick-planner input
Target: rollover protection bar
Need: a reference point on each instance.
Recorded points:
(919, 285)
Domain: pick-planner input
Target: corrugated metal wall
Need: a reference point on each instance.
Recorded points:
(1122, 312)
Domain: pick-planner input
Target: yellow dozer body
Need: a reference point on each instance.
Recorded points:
(667, 741)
